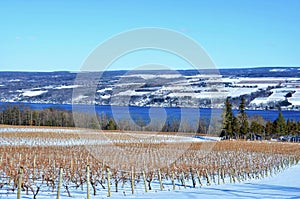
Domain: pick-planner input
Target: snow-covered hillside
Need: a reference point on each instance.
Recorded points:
(205, 89)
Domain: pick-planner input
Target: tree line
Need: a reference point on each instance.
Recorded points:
(240, 126)
(24, 115)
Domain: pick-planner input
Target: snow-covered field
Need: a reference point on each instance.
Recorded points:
(63, 137)
(283, 185)
(256, 172)
(279, 94)
(33, 93)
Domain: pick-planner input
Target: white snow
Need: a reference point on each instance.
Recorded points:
(259, 100)
(295, 99)
(258, 82)
(67, 87)
(102, 138)
(105, 96)
(48, 87)
(150, 76)
(279, 95)
(46, 130)
(131, 93)
(33, 93)
(236, 92)
(104, 90)
(14, 80)
(78, 98)
(284, 185)
(278, 70)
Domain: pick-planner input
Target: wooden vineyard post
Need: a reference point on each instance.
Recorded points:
(219, 176)
(223, 176)
(207, 177)
(88, 181)
(71, 164)
(238, 177)
(173, 180)
(20, 158)
(193, 178)
(132, 180)
(199, 179)
(20, 182)
(108, 182)
(232, 175)
(213, 176)
(103, 165)
(33, 171)
(145, 183)
(183, 180)
(53, 174)
(59, 182)
(160, 181)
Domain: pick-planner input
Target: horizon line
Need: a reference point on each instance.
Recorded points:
(217, 68)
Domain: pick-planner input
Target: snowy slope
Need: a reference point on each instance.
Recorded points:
(283, 185)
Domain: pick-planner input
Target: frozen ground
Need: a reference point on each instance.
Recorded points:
(283, 185)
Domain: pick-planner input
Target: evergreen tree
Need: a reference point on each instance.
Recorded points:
(236, 126)
(280, 125)
(269, 131)
(291, 127)
(243, 118)
(111, 125)
(228, 119)
(256, 128)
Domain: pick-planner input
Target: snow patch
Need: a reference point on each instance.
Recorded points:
(104, 90)
(33, 93)
(67, 86)
(14, 80)
(132, 93)
(150, 76)
(278, 70)
(105, 96)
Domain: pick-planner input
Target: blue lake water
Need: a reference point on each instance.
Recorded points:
(148, 113)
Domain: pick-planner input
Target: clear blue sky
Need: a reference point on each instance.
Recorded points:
(49, 35)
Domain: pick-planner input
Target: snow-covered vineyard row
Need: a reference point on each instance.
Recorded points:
(133, 169)
(283, 184)
(32, 129)
(68, 137)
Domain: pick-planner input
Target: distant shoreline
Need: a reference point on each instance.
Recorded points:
(99, 105)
